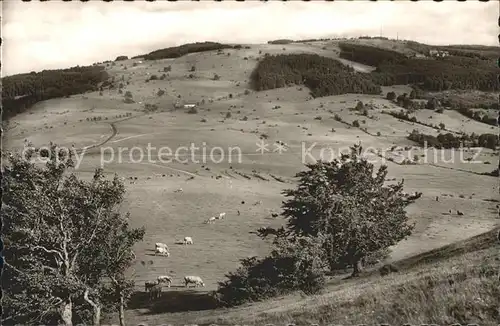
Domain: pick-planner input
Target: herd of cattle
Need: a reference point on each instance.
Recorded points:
(155, 287)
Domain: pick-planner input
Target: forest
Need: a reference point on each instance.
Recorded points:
(179, 51)
(323, 76)
(21, 91)
(461, 70)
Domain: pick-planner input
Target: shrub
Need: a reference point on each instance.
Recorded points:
(128, 100)
(247, 92)
(193, 68)
(355, 123)
(337, 117)
(391, 96)
(192, 110)
(160, 92)
(293, 265)
(167, 69)
(228, 115)
(359, 106)
(128, 94)
(216, 77)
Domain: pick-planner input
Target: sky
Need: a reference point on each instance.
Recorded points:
(51, 35)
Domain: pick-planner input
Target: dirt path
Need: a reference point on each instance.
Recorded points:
(113, 134)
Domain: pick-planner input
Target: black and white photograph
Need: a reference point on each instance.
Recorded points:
(250, 163)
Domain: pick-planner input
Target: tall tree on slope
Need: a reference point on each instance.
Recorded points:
(64, 240)
(347, 205)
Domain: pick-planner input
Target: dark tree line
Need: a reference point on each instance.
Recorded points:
(323, 76)
(475, 115)
(449, 141)
(280, 41)
(453, 72)
(24, 90)
(369, 55)
(179, 51)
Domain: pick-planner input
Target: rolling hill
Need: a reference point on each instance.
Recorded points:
(303, 94)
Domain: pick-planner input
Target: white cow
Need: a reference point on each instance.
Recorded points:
(196, 280)
(165, 279)
(162, 251)
(188, 240)
(211, 220)
(161, 245)
(221, 216)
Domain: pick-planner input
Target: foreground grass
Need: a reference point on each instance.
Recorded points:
(464, 288)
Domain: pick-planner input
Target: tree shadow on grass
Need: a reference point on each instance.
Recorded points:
(175, 299)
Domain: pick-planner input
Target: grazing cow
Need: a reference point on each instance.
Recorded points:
(274, 215)
(165, 279)
(161, 245)
(239, 212)
(179, 190)
(437, 198)
(460, 213)
(149, 284)
(155, 292)
(162, 251)
(211, 220)
(221, 216)
(196, 280)
(188, 240)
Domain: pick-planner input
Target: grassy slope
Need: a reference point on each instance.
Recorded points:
(169, 216)
(455, 283)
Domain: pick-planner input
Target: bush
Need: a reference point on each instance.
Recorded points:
(160, 92)
(192, 110)
(167, 69)
(391, 96)
(193, 68)
(128, 94)
(293, 265)
(359, 106)
(128, 100)
(247, 92)
(228, 115)
(355, 123)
